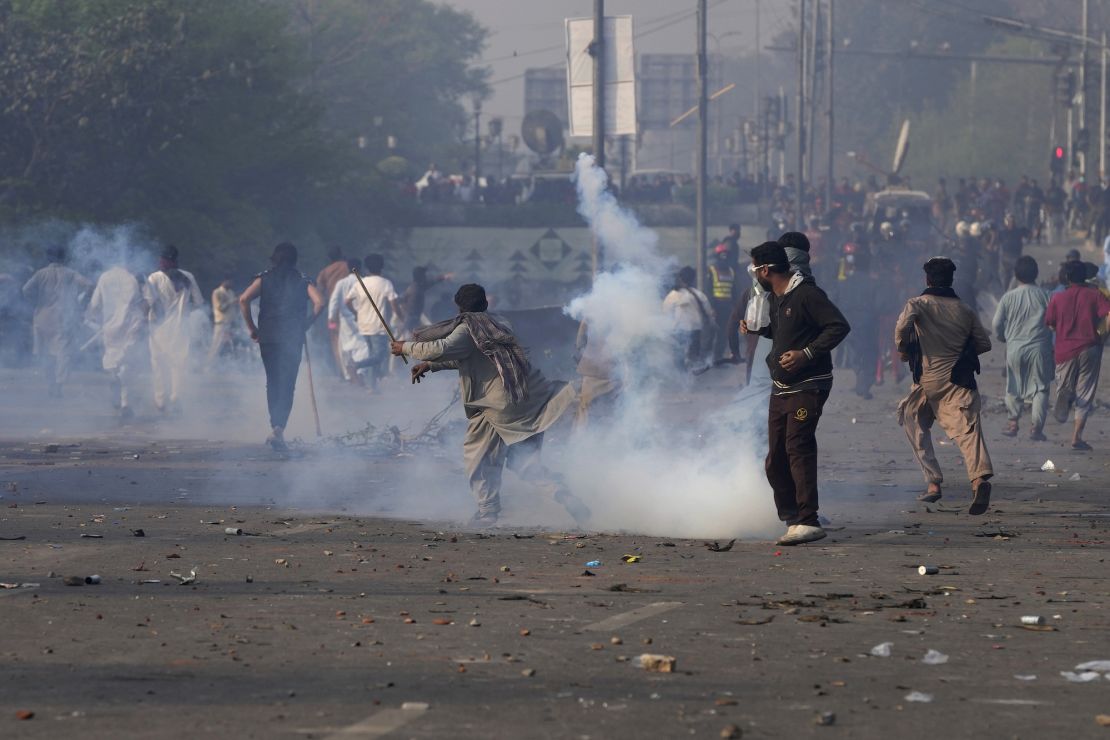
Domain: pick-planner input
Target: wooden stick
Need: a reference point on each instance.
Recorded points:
(354, 271)
(312, 389)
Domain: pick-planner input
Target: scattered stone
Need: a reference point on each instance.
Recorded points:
(731, 731)
(658, 663)
(825, 719)
(528, 672)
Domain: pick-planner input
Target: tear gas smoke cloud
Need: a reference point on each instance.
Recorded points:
(641, 470)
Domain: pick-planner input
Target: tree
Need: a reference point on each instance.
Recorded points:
(394, 68)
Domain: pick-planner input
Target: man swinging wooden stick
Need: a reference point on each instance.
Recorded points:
(509, 404)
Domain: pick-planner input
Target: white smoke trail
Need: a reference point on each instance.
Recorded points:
(650, 468)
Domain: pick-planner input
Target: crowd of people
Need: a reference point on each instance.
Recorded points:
(435, 187)
(838, 291)
(159, 323)
(1053, 332)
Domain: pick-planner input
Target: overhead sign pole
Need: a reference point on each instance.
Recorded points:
(597, 51)
(601, 83)
(700, 236)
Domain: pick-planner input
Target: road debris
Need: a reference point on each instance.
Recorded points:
(631, 558)
(657, 663)
(74, 580)
(825, 719)
(93, 580)
(927, 570)
(920, 697)
(731, 732)
(19, 585)
(717, 547)
(1102, 666)
(185, 580)
(934, 657)
(593, 564)
(1048, 466)
(1032, 620)
(138, 533)
(1081, 677)
(87, 536)
(24, 714)
(882, 650)
(1102, 720)
(233, 531)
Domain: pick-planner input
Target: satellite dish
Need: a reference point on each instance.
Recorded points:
(902, 148)
(542, 131)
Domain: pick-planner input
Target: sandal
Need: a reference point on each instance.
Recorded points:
(982, 500)
(930, 497)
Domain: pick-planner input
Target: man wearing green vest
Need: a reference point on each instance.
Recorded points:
(723, 296)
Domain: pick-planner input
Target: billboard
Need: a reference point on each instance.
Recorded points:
(620, 76)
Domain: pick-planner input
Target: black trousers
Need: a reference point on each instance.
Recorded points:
(282, 362)
(792, 454)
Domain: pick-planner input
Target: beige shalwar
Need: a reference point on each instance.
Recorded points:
(943, 327)
(600, 387)
(498, 432)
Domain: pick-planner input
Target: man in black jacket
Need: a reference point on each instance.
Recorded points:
(805, 327)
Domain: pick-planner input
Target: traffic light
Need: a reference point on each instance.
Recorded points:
(1082, 140)
(1057, 165)
(1065, 87)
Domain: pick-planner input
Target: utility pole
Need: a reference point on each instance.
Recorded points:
(811, 75)
(829, 46)
(597, 51)
(477, 140)
(1102, 109)
(974, 74)
(758, 53)
(800, 115)
(1083, 88)
(700, 237)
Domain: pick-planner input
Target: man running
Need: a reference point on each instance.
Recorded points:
(942, 338)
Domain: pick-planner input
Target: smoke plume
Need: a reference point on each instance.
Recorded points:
(655, 466)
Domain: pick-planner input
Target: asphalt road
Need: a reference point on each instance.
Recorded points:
(354, 607)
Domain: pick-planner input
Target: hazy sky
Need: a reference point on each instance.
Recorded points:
(533, 31)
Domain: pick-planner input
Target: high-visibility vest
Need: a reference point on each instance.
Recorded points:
(722, 282)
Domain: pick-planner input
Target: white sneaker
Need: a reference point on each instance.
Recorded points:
(789, 531)
(801, 533)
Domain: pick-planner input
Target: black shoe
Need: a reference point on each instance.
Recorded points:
(1037, 436)
(1081, 446)
(982, 500)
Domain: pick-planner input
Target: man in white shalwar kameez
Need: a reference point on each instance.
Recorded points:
(350, 345)
(118, 312)
(172, 295)
(56, 293)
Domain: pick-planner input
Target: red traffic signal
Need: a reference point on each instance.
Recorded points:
(1058, 152)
